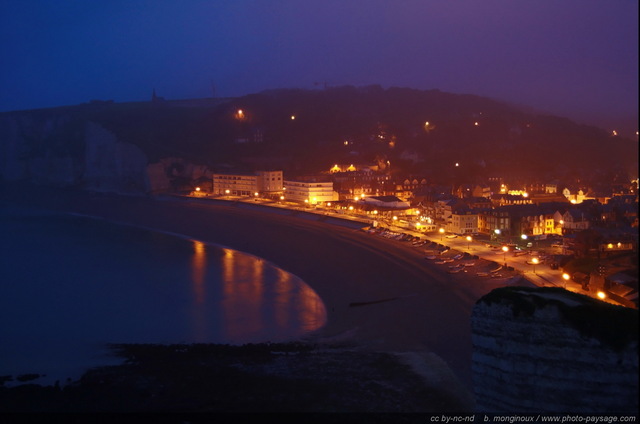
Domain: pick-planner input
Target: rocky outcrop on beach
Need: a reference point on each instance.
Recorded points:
(60, 149)
(39, 147)
(112, 165)
(549, 350)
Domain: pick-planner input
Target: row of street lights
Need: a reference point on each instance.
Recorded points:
(468, 238)
(534, 261)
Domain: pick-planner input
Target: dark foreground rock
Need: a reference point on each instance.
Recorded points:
(548, 350)
(290, 377)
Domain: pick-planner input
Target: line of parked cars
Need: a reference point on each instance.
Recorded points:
(434, 251)
(384, 232)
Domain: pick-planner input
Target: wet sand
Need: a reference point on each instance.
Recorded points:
(380, 294)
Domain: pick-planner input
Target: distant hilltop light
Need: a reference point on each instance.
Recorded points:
(614, 132)
(293, 117)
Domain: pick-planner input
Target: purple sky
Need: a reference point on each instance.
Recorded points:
(576, 58)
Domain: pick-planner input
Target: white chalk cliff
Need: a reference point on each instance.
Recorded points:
(548, 350)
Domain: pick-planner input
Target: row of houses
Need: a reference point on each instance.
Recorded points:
(560, 218)
(509, 215)
(355, 179)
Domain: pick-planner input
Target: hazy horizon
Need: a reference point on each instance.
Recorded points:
(576, 58)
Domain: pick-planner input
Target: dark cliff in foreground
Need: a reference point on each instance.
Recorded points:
(548, 350)
(107, 146)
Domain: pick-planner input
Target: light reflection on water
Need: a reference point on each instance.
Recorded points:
(250, 304)
(99, 283)
(198, 274)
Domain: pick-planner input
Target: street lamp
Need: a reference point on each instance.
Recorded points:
(505, 249)
(561, 222)
(535, 261)
(468, 242)
(565, 278)
(441, 231)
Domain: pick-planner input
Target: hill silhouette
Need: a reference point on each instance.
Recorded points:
(307, 131)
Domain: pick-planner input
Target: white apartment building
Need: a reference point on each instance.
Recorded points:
(463, 223)
(312, 193)
(270, 181)
(261, 182)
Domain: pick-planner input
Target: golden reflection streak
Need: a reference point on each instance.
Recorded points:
(245, 310)
(283, 288)
(312, 312)
(227, 270)
(198, 268)
(243, 289)
(198, 271)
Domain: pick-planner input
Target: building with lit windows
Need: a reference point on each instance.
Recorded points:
(312, 193)
(270, 182)
(261, 182)
(463, 221)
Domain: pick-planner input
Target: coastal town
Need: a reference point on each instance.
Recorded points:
(418, 211)
(569, 236)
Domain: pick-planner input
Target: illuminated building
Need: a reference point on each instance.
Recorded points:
(312, 193)
(263, 182)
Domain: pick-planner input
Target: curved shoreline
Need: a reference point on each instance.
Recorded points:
(406, 303)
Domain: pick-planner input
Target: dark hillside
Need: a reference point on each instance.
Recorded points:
(306, 131)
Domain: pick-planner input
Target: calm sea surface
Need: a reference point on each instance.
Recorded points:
(70, 285)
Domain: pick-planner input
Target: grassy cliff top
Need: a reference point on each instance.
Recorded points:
(615, 326)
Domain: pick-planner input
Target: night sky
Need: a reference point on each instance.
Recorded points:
(575, 58)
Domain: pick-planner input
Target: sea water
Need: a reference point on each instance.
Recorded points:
(71, 285)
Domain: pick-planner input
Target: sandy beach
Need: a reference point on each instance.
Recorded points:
(380, 294)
